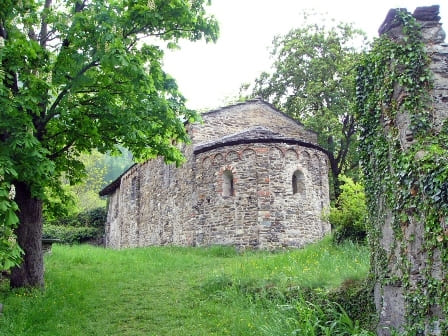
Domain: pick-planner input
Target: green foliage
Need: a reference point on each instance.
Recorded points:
(100, 170)
(115, 164)
(81, 196)
(91, 218)
(101, 86)
(82, 75)
(10, 251)
(76, 228)
(413, 178)
(190, 291)
(348, 217)
(313, 81)
(307, 318)
(70, 234)
(86, 193)
(356, 298)
(94, 218)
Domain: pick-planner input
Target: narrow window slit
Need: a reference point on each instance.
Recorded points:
(227, 184)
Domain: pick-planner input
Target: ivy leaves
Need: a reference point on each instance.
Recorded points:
(393, 84)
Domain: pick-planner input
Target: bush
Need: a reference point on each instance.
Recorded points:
(315, 312)
(348, 218)
(78, 228)
(91, 218)
(70, 234)
(356, 298)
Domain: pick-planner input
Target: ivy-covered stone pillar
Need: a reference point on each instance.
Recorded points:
(402, 97)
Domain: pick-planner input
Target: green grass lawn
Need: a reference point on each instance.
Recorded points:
(176, 291)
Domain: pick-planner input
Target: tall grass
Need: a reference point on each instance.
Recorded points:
(183, 291)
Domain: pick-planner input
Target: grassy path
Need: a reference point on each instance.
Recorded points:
(170, 291)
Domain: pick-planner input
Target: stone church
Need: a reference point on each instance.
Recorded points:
(253, 178)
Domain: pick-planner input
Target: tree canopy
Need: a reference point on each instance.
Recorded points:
(76, 75)
(312, 80)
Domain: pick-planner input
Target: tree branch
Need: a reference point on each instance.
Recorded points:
(3, 31)
(348, 130)
(51, 32)
(62, 150)
(139, 30)
(43, 35)
(79, 6)
(32, 34)
(56, 135)
(14, 86)
(61, 95)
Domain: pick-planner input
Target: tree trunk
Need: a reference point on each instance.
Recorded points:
(335, 176)
(29, 235)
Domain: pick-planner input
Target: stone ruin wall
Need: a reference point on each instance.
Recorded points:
(390, 299)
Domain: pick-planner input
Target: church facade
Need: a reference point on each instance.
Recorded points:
(253, 178)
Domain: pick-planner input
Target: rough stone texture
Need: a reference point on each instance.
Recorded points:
(241, 117)
(261, 148)
(390, 299)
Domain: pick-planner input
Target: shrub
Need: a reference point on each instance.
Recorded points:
(313, 313)
(70, 234)
(77, 228)
(91, 218)
(348, 217)
(356, 298)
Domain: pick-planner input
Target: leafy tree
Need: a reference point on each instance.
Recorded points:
(77, 75)
(10, 251)
(115, 164)
(100, 169)
(87, 193)
(348, 216)
(313, 81)
(82, 196)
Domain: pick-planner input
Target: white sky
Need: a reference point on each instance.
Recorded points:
(208, 74)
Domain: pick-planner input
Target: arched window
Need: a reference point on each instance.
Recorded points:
(227, 183)
(298, 182)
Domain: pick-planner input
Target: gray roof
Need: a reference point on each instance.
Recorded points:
(260, 101)
(256, 134)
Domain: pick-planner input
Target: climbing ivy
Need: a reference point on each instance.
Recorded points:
(394, 82)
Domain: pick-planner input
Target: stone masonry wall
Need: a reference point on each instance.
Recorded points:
(112, 227)
(158, 204)
(152, 206)
(240, 117)
(263, 211)
(391, 297)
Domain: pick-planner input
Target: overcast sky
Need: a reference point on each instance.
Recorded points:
(209, 74)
